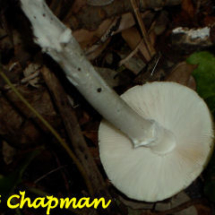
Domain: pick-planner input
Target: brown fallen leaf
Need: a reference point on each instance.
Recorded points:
(109, 75)
(176, 201)
(99, 2)
(13, 70)
(95, 51)
(188, 7)
(20, 52)
(127, 21)
(87, 38)
(93, 136)
(8, 152)
(19, 126)
(31, 73)
(94, 42)
(209, 21)
(182, 75)
(136, 205)
(84, 118)
(133, 63)
(161, 23)
(89, 16)
(133, 39)
(203, 209)
(77, 5)
(151, 73)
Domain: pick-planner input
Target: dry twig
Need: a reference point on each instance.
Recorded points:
(146, 39)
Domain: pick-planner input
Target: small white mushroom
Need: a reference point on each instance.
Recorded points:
(144, 173)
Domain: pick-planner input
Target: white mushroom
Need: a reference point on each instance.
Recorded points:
(161, 139)
(144, 173)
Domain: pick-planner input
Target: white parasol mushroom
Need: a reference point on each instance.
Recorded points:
(153, 134)
(146, 173)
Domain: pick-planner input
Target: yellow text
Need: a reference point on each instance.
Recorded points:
(50, 202)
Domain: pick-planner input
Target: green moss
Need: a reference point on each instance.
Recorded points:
(204, 75)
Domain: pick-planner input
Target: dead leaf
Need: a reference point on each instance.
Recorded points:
(127, 21)
(161, 23)
(31, 74)
(77, 5)
(84, 36)
(188, 7)
(87, 38)
(182, 74)
(209, 21)
(16, 121)
(85, 118)
(95, 51)
(176, 201)
(203, 210)
(95, 154)
(19, 48)
(99, 2)
(8, 152)
(151, 73)
(109, 75)
(13, 70)
(133, 39)
(132, 63)
(5, 43)
(135, 205)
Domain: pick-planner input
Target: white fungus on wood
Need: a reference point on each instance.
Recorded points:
(202, 33)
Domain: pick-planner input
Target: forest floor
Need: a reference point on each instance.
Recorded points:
(129, 44)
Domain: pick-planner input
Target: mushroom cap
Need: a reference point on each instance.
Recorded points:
(142, 174)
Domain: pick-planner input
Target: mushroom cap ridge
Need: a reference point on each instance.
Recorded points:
(142, 174)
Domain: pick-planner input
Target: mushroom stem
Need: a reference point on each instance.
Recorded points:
(57, 41)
